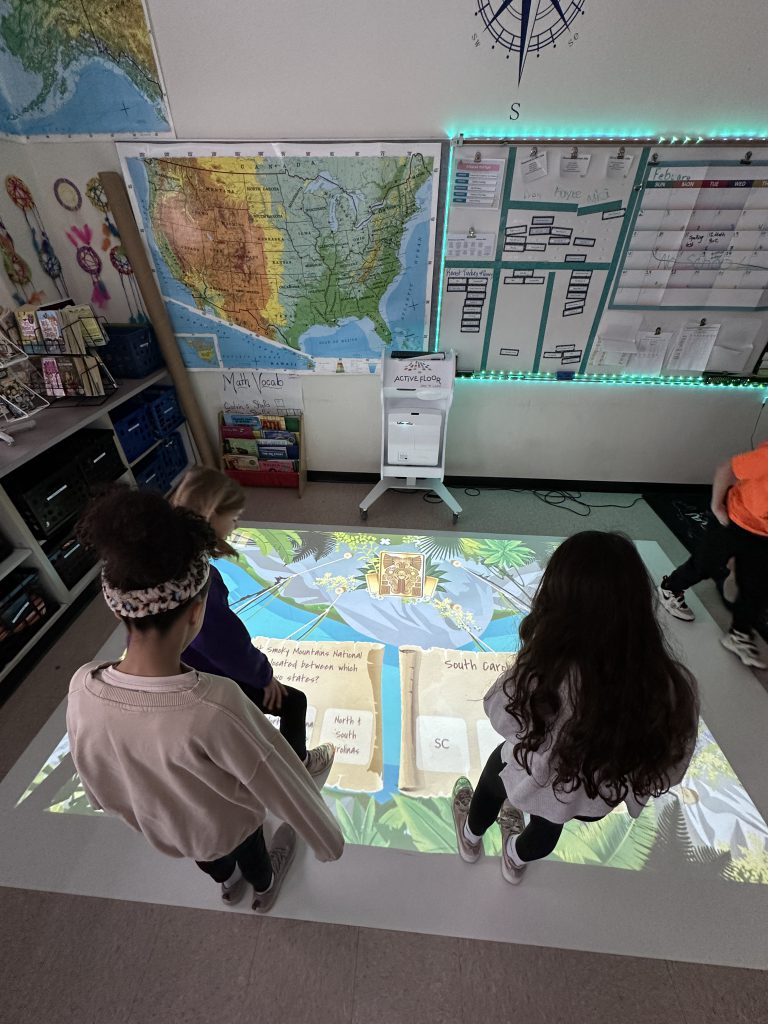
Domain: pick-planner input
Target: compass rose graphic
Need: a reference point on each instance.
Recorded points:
(525, 26)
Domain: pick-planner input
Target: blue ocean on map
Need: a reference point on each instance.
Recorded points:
(351, 339)
(95, 105)
(402, 306)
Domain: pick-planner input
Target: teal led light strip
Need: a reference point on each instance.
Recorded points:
(492, 376)
(441, 278)
(642, 137)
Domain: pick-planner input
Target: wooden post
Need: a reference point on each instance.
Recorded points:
(130, 239)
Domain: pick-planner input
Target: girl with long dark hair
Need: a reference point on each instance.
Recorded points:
(594, 712)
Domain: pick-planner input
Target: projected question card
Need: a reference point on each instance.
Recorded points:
(342, 682)
(444, 730)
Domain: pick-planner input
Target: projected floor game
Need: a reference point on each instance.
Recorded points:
(395, 639)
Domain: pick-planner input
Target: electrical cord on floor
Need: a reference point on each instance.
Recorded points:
(569, 501)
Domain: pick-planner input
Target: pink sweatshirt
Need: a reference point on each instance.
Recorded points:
(190, 762)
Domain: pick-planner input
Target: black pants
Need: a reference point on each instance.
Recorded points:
(709, 561)
(539, 837)
(292, 714)
(252, 858)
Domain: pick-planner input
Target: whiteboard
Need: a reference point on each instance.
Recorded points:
(575, 258)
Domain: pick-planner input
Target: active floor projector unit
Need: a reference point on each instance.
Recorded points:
(414, 438)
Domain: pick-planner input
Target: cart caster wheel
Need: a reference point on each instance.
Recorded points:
(455, 517)
(363, 514)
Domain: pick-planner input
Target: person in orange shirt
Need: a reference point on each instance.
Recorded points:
(740, 505)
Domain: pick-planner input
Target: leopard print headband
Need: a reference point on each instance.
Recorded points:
(137, 604)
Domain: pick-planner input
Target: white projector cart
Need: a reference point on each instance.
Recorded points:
(416, 394)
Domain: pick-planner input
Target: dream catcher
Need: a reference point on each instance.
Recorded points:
(97, 197)
(16, 269)
(122, 265)
(21, 196)
(89, 261)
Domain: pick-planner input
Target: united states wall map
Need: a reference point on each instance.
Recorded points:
(292, 258)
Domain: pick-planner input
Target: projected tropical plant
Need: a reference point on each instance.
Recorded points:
(751, 866)
(501, 554)
(617, 841)
(314, 544)
(283, 543)
(446, 547)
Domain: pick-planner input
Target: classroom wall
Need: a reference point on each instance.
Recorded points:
(412, 70)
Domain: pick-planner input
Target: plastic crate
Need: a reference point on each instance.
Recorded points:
(99, 459)
(48, 499)
(23, 609)
(174, 455)
(151, 474)
(134, 429)
(71, 560)
(164, 409)
(131, 351)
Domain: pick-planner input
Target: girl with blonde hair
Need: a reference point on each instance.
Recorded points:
(223, 645)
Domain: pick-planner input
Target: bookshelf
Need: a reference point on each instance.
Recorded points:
(52, 426)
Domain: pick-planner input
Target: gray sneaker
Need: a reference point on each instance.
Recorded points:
(231, 894)
(460, 801)
(320, 759)
(281, 854)
(511, 824)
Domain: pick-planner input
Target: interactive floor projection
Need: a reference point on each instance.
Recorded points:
(395, 639)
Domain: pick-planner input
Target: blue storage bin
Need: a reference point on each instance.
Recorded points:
(134, 429)
(131, 351)
(174, 455)
(164, 409)
(151, 474)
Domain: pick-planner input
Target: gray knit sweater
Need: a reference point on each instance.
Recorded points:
(190, 762)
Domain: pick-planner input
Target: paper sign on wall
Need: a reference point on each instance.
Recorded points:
(534, 167)
(574, 166)
(692, 347)
(259, 391)
(462, 246)
(618, 166)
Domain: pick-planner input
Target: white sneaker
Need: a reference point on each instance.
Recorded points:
(320, 759)
(744, 647)
(675, 603)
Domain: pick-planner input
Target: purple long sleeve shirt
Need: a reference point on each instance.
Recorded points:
(223, 646)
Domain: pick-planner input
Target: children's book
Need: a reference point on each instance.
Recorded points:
(9, 352)
(26, 322)
(49, 322)
(82, 325)
(89, 370)
(54, 386)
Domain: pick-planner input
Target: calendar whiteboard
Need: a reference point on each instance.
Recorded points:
(608, 258)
